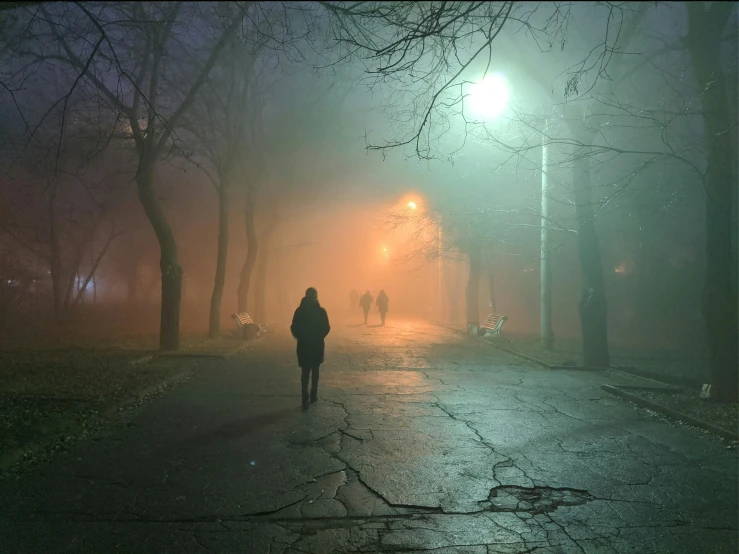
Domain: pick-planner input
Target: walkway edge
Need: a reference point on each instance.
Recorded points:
(140, 396)
(677, 381)
(669, 412)
(13, 457)
(534, 361)
(624, 370)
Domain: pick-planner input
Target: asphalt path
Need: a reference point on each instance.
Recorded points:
(422, 441)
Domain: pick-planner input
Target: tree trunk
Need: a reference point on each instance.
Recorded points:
(719, 289)
(55, 266)
(282, 309)
(260, 283)
(214, 324)
(706, 26)
(451, 290)
(473, 286)
(73, 282)
(94, 280)
(171, 271)
(252, 249)
(593, 307)
(491, 284)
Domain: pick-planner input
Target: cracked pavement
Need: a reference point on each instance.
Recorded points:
(422, 441)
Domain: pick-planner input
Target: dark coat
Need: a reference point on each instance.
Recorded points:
(310, 326)
(382, 302)
(366, 301)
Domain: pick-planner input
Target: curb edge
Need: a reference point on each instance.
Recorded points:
(669, 412)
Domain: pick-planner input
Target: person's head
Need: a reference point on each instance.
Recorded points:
(311, 293)
(366, 292)
(382, 291)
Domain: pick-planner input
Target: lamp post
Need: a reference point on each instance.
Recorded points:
(439, 285)
(547, 336)
(440, 271)
(488, 99)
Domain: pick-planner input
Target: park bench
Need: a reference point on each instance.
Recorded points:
(493, 324)
(246, 325)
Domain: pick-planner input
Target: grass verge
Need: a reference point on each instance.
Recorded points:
(51, 398)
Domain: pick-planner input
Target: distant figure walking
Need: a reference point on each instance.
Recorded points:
(366, 302)
(382, 305)
(353, 300)
(310, 326)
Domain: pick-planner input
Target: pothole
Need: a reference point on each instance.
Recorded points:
(536, 500)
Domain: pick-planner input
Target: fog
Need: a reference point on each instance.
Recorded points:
(331, 157)
(369, 276)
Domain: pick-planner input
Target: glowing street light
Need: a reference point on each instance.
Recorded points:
(412, 205)
(489, 98)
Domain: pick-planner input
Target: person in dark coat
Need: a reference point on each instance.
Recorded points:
(366, 302)
(310, 326)
(382, 305)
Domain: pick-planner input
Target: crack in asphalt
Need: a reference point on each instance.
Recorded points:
(527, 513)
(348, 434)
(480, 438)
(200, 544)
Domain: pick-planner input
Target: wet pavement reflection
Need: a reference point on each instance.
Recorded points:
(422, 440)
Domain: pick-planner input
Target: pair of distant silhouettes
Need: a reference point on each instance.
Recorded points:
(366, 302)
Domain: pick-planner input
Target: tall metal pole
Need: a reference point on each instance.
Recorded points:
(547, 336)
(441, 315)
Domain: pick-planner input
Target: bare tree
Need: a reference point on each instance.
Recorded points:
(425, 55)
(422, 56)
(60, 190)
(137, 59)
(277, 178)
(690, 126)
(253, 173)
(222, 123)
(469, 233)
(707, 27)
(270, 224)
(252, 247)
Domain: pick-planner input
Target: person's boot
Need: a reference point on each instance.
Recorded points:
(313, 396)
(305, 401)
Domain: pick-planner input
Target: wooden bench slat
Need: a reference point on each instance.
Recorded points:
(242, 319)
(493, 323)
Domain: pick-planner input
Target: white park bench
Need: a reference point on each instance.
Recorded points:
(493, 324)
(245, 322)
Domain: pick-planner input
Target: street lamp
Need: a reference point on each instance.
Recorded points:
(412, 205)
(488, 99)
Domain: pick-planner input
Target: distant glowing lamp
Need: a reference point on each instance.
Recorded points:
(489, 97)
(412, 205)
